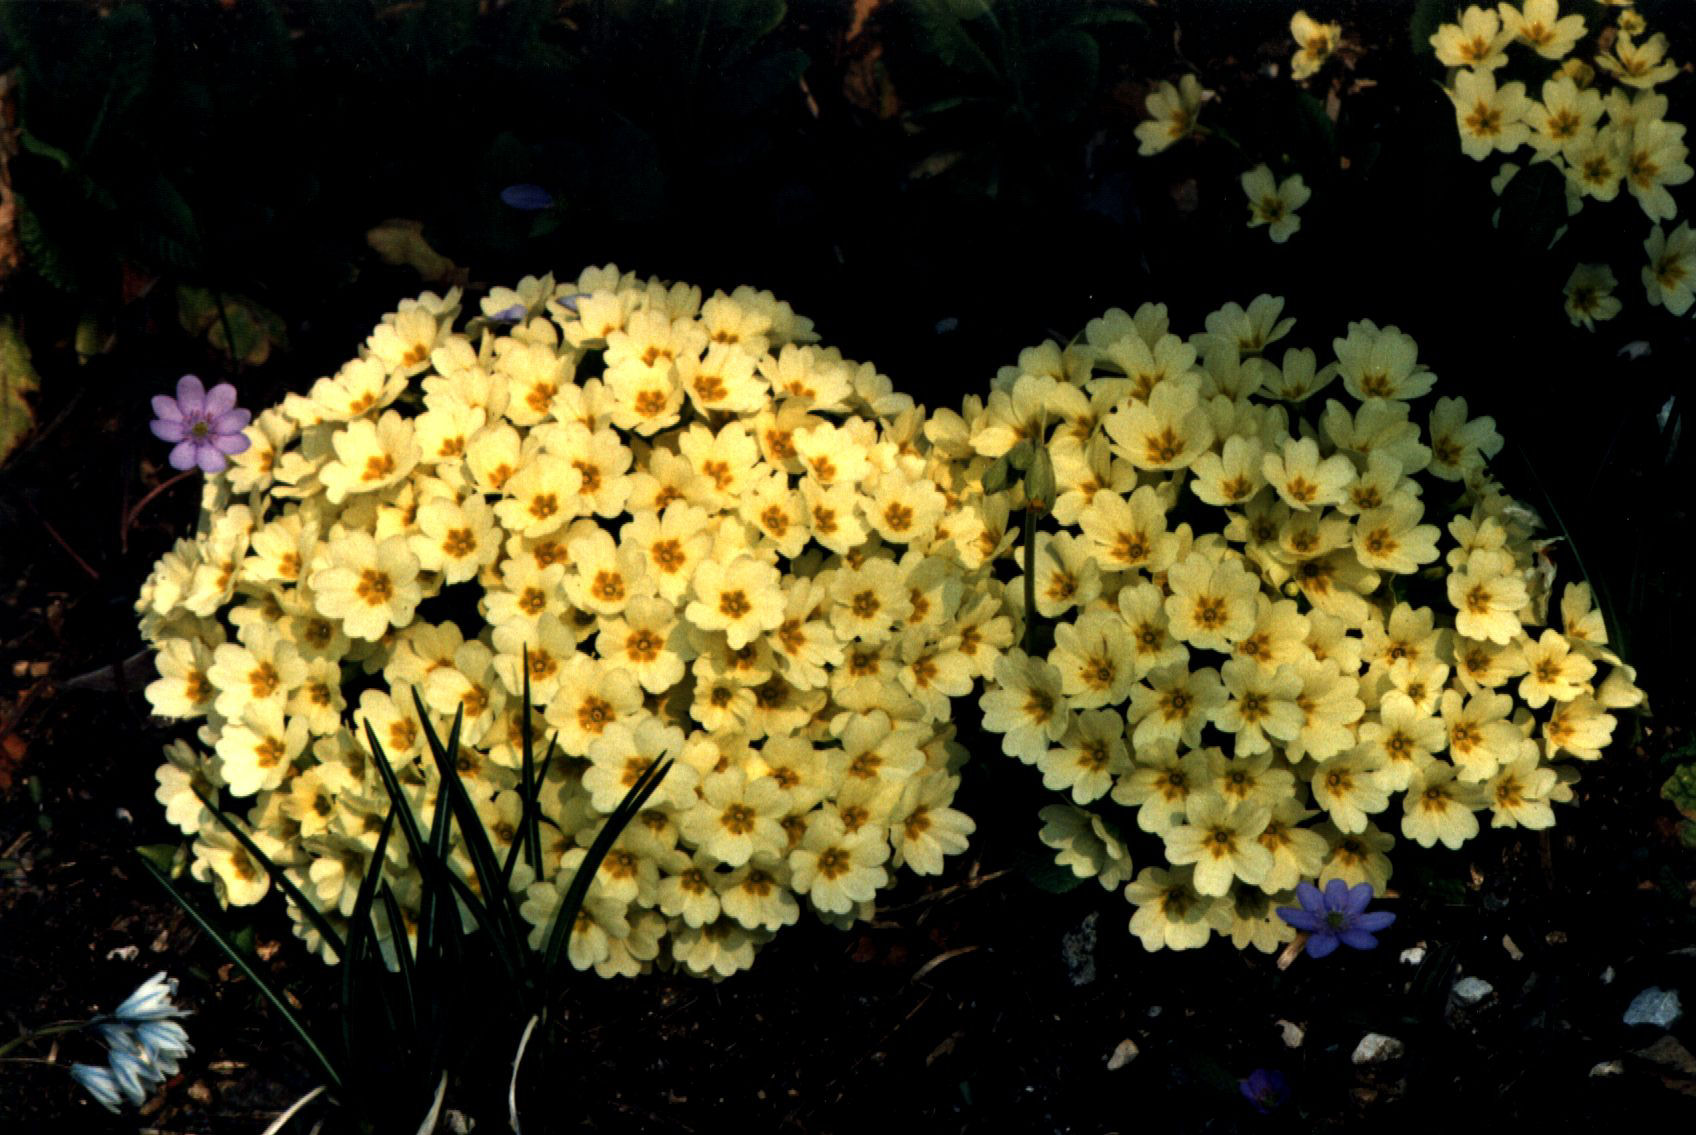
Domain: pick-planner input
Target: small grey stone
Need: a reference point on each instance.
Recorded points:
(1078, 949)
(1608, 976)
(1654, 1006)
(1608, 1068)
(1413, 955)
(1376, 1048)
(1123, 1055)
(1294, 1034)
(1512, 948)
(1471, 990)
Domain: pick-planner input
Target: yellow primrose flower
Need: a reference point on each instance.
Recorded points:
(369, 456)
(1554, 671)
(1094, 660)
(1480, 735)
(1261, 707)
(925, 828)
(370, 587)
(1579, 727)
(1638, 65)
(1392, 539)
(1403, 740)
(1670, 275)
(1302, 480)
(1539, 24)
(1438, 808)
(1297, 853)
(1170, 913)
(1330, 705)
(1654, 160)
(836, 869)
(1488, 595)
(1169, 431)
(1477, 41)
(1174, 705)
(1221, 840)
(1273, 203)
(1085, 844)
(1212, 604)
(1314, 44)
(1590, 295)
(1381, 363)
(1160, 784)
(1172, 114)
(1518, 795)
(1490, 119)
(1128, 533)
(1349, 789)
(1088, 758)
(1026, 705)
(1143, 609)
(743, 598)
(1565, 119)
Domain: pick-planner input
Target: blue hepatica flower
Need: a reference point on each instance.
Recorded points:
(527, 198)
(1265, 1088)
(1338, 915)
(509, 314)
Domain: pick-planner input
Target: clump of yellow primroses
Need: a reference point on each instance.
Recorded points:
(1597, 117)
(706, 537)
(1294, 618)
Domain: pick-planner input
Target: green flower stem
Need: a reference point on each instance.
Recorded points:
(1030, 575)
(46, 1030)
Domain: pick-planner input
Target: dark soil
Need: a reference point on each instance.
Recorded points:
(976, 1002)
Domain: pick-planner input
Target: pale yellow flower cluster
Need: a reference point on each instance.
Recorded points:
(1277, 637)
(707, 538)
(1600, 141)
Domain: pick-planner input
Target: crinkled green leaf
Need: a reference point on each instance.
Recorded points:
(18, 383)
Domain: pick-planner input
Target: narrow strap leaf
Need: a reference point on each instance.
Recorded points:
(403, 950)
(566, 916)
(284, 883)
(246, 967)
(360, 930)
(496, 902)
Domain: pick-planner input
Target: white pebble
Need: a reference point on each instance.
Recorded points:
(1294, 1034)
(1123, 1055)
(1608, 1068)
(1472, 990)
(1654, 1006)
(1413, 955)
(1376, 1048)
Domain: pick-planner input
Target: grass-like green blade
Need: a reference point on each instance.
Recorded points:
(360, 929)
(529, 826)
(246, 967)
(499, 925)
(626, 811)
(403, 951)
(284, 883)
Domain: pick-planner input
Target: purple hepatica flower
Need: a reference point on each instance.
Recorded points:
(1265, 1088)
(512, 314)
(570, 302)
(1337, 915)
(527, 198)
(206, 425)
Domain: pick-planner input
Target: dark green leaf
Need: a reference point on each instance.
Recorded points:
(284, 883)
(246, 967)
(566, 916)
